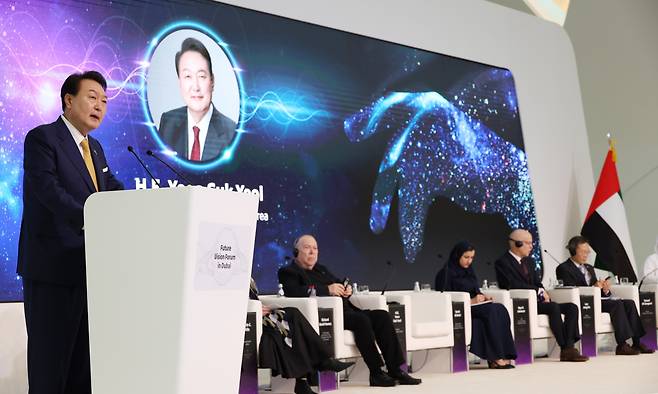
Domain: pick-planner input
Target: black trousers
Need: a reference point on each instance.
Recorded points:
(370, 326)
(307, 351)
(57, 338)
(565, 332)
(625, 319)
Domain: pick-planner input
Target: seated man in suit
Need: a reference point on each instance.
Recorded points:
(370, 327)
(197, 131)
(516, 270)
(623, 313)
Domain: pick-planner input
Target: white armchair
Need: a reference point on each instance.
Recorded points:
(428, 326)
(539, 324)
(309, 308)
(428, 314)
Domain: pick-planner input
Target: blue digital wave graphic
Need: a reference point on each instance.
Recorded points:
(271, 106)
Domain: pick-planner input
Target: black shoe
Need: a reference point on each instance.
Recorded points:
(302, 387)
(642, 349)
(380, 379)
(572, 354)
(332, 364)
(404, 378)
(495, 365)
(625, 350)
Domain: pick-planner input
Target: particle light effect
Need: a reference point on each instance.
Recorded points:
(437, 149)
(41, 46)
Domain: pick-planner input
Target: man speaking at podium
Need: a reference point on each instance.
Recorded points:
(63, 166)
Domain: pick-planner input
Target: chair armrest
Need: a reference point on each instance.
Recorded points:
(307, 306)
(459, 296)
(564, 295)
(369, 301)
(531, 295)
(627, 292)
(568, 295)
(253, 306)
(402, 296)
(501, 296)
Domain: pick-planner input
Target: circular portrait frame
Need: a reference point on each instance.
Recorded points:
(158, 97)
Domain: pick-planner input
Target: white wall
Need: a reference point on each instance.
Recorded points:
(616, 45)
(539, 55)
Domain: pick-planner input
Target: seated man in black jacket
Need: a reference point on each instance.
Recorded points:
(517, 270)
(623, 313)
(369, 326)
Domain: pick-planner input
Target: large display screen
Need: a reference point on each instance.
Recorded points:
(384, 152)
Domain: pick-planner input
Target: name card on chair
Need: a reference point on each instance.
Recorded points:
(588, 338)
(398, 317)
(327, 380)
(648, 317)
(459, 351)
(522, 340)
(249, 370)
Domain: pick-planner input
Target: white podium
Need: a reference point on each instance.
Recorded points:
(167, 283)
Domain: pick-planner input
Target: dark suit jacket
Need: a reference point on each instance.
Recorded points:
(510, 274)
(571, 275)
(296, 281)
(56, 185)
(174, 126)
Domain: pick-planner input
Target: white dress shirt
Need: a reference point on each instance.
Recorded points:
(76, 134)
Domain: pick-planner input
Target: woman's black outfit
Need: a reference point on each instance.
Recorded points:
(491, 338)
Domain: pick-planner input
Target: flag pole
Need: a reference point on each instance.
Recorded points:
(611, 146)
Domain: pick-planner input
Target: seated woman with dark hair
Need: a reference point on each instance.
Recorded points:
(491, 337)
(290, 347)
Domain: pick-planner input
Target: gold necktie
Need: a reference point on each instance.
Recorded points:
(86, 156)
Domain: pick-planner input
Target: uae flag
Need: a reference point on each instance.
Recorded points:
(605, 224)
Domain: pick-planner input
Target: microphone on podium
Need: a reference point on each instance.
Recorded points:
(132, 150)
(152, 154)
